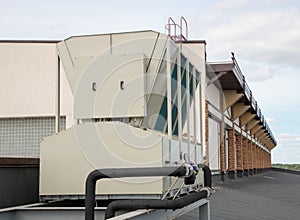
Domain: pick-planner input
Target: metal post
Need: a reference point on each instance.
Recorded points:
(204, 211)
(179, 104)
(201, 127)
(169, 94)
(194, 115)
(187, 67)
(57, 94)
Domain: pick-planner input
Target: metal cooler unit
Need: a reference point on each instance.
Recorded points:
(136, 103)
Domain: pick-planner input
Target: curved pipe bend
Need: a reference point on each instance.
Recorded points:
(129, 205)
(94, 176)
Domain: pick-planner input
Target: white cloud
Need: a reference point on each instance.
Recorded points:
(270, 120)
(287, 150)
(256, 72)
(288, 140)
(258, 35)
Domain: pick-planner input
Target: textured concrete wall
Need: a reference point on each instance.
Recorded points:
(18, 185)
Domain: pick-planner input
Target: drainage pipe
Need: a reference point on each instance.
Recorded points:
(129, 205)
(94, 176)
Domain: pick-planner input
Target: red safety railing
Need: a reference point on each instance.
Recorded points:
(175, 31)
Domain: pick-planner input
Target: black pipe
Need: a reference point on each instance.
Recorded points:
(207, 176)
(94, 176)
(129, 205)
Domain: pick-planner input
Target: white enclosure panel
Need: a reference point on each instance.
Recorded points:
(68, 157)
(112, 86)
(214, 144)
(76, 53)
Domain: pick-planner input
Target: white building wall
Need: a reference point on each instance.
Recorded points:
(213, 95)
(27, 86)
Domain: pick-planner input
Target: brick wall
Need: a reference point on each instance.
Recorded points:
(250, 165)
(231, 150)
(222, 150)
(239, 152)
(245, 153)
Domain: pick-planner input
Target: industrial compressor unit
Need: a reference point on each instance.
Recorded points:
(137, 102)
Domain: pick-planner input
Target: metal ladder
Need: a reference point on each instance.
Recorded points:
(175, 31)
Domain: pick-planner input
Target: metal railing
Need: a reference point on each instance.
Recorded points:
(247, 91)
(248, 94)
(176, 31)
(253, 102)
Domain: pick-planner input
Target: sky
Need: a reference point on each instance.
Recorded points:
(263, 34)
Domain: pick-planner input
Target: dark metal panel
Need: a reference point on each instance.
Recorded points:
(18, 186)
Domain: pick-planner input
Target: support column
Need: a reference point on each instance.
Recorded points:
(57, 95)
(264, 159)
(239, 155)
(231, 153)
(259, 159)
(206, 160)
(256, 158)
(268, 160)
(245, 156)
(222, 141)
(250, 165)
(253, 156)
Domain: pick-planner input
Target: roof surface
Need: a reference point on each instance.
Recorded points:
(264, 196)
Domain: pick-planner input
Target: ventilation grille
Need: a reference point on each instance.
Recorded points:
(21, 137)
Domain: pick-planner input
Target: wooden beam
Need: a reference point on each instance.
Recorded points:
(231, 97)
(266, 141)
(272, 143)
(238, 109)
(256, 129)
(259, 133)
(245, 118)
(263, 135)
(272, 146)
(266, 137)
(251, 124)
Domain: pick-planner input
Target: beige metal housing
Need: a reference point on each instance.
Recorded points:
(105, 145)
(136, 104)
